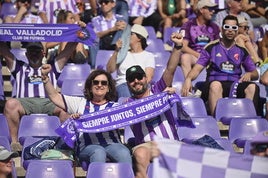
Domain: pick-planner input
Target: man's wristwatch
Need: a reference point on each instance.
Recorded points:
(178, 46)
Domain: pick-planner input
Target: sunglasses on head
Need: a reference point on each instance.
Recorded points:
(132, 78)
(102, 82)
(261, 147)
(230, 27)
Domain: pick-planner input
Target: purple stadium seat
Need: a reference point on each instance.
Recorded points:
(4, 131)
(38, 125)
(8, 8)
(243, 129)
(229, 108)
(247, 147)
(110, 170)
(73, 87)
(74, 71)
(19, 53)
(5, 143)
(205, 125)
(102, 59)
(167, 32)
(161, 58)
(50, 168)
(194, 106)
(155, 45)
(225, 144)
(151, 32)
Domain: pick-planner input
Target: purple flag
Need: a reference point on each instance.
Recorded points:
(47, 32)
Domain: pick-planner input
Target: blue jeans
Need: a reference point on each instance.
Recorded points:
(123, 91)
(116, 152)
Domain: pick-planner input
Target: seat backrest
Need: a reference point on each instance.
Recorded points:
(102, 59)
(155, 45)
(4, 131)
(19, 53)
(50, 168)
(151, 32)
(203, 126)
(111, 170)
(234, 107)
(37, 125)
(74, 71)
(194, 106)
(161, 57)
(158, 72)
(8, 8)
(246, 128)
(73, 87)
(167, 32)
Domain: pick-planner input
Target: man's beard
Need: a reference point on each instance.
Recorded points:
(139, 92)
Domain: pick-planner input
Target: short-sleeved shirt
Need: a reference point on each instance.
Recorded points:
(28, 80)
(144, 59)
(199, 36)
(163, 126)
(100, 24)
(80, 105)
(142, 8)
(49, 6)
(225, 64)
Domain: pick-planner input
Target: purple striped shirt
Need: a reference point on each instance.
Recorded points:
(29, 82)
(142, 7)
(163, 126)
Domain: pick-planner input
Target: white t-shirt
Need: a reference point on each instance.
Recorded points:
(144, 59)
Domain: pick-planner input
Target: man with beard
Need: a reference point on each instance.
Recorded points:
(164, 124)
(223, 59)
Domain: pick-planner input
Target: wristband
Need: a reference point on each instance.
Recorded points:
(178, 46)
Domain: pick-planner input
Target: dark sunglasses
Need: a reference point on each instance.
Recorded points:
(261, 147)
(230, 27)
(132, 78)
(97, 82)
(237, 0)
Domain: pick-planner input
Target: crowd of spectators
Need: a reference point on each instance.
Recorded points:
(218, 40)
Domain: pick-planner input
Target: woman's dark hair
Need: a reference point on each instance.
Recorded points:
(143, 41)
(230, 17)
(110, 96)
(62, 15)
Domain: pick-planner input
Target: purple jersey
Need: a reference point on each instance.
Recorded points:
(225, 64)
(29, 82)
(200, 35)
(163, 125)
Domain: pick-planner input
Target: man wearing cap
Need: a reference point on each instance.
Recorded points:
(224, 60)
(259, 144)
(199, 32)
(137, 55)
(30, 92)
(6, 163)
(164, 124)
(106, 26)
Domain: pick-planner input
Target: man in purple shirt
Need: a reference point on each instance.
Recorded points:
(199, 32)
(163, 125)
(223, 59)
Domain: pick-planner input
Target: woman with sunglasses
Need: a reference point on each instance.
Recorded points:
(99, 94)
(6, 163)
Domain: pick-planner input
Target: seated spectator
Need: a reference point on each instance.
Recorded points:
(223, 59)
(244, 40)
(257, 10)
(106, 26)
(137, 55)
(99, 94)
(30, 93)
(173, 13)
(234, 7)
(199, 32)
(259, 144)
(6, 162)
(80, 55)
(144, 13)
